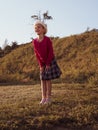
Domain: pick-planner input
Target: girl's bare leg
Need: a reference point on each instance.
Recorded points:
(49, 88)
(43, 90)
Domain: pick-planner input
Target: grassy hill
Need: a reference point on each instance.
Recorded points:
(74, 100)
(77, 56)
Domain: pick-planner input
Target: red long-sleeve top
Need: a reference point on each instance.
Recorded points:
(43, 51)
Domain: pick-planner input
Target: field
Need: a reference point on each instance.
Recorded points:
(73, 107)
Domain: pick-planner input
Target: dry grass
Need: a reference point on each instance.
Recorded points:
(77, 56)
(73, 106)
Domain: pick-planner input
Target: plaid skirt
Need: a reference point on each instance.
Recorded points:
(53, 73)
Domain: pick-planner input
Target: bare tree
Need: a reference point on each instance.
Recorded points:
(5, 43)
(88, 28)
(35, 17)
(44, 16)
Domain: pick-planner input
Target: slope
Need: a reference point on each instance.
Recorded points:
(77, 56)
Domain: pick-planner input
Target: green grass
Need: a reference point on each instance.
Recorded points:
(74, 106)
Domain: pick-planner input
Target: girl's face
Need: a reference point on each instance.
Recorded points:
(39, 29)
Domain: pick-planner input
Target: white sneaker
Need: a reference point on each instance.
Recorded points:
(43, 101)
(47, 101)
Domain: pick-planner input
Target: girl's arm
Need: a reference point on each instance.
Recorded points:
(50, 53)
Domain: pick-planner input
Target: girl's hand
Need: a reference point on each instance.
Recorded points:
(41, 69)
(47, 68)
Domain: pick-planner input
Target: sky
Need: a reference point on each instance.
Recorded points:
(69, 17)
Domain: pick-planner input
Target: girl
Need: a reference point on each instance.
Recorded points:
(45, 55)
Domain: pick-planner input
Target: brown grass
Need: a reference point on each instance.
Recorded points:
(77, 56)
(74, 106)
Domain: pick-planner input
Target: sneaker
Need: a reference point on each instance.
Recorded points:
(42, 101)
(48, 101)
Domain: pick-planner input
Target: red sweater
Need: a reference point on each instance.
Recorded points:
(43, 51)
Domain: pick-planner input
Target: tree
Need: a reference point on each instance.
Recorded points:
(88, 28)
(7, 49)
(44, 16)
(1, 52)
(14, 45)
(5, 44)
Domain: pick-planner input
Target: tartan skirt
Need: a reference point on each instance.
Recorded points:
(53, 73)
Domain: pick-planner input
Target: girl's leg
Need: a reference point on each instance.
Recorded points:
(43, 90)
(49, 88)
